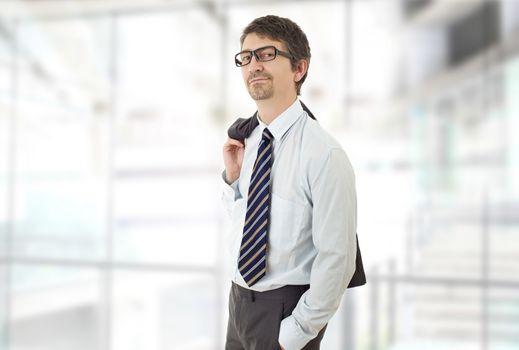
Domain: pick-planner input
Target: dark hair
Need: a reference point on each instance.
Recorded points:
(288, 33)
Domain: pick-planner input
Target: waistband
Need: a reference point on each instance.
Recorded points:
(286, 292)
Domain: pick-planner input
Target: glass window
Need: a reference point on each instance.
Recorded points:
(165, 311)
(55, 308)
(173, 220)
(6, 59)
(3, 306)
(119, 123)
(61, 140)
(167, 155)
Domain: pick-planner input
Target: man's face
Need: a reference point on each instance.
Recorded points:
(267, 80)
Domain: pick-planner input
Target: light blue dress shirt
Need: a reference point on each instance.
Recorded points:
(313, 220)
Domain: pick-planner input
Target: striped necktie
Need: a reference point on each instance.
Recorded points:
(253, 251)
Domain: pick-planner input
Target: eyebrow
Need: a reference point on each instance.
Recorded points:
(260, 47)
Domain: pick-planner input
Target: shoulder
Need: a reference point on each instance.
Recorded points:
(320, 149)
(317, 142)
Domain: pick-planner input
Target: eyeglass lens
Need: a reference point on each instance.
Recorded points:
(262, 54)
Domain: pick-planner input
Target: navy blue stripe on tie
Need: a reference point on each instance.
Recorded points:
(252, 262)
(254, 223)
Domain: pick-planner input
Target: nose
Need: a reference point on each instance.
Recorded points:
(255, 65)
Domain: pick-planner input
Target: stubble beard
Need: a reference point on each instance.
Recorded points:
(261, 92)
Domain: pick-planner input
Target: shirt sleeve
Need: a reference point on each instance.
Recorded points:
(334, 225)
(230, 193)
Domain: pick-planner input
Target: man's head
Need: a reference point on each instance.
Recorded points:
(291, 50)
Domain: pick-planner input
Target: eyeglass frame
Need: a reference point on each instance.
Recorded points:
(253, 53)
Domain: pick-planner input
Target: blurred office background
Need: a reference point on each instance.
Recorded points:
(112, 118)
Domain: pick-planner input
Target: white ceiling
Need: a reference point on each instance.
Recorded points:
(55, 8)
(439, 11)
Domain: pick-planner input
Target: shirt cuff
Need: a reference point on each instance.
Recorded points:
(230, 190)
(291, 335)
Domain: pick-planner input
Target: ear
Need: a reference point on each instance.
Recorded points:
(301, 69)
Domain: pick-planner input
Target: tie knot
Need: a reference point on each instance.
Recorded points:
(267, 135)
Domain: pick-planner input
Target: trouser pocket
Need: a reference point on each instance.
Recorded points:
(259, 324)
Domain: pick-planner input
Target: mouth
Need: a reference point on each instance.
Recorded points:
(258, 80)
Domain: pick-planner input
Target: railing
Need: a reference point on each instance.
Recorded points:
(394, 280)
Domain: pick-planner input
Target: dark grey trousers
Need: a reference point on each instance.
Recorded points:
(255, 317)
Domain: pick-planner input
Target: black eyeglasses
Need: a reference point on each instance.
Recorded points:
(262, 54)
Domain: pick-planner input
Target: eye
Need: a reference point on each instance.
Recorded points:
(267, 54)
(245, 58)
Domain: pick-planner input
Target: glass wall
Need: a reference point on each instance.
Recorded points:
(111, 126)
(4, 304)
(56, 307)
(444, 273)
(6, 64)
(61, 139)
(165, 140)
(6, 109)
(161, 310)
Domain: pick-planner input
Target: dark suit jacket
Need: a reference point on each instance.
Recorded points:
(240, 130)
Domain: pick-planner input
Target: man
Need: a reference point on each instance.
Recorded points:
(290, 191)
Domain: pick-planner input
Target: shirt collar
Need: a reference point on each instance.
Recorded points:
(284, 121)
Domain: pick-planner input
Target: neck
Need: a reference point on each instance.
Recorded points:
(269, 110)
